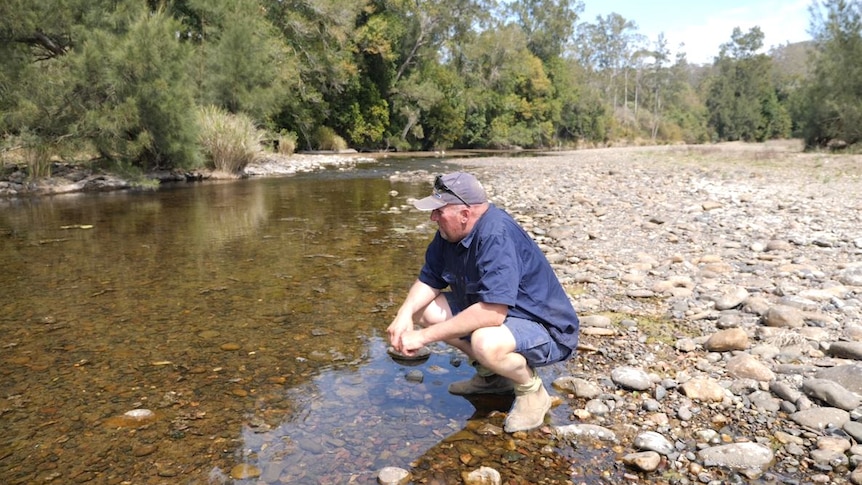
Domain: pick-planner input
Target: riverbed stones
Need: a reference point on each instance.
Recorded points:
(849, 376)
(854, 429)
(244, 471)
(738, 456)
(391, 475)
(784, 316)
(730, 296)
(645, 461)
(422, 354)
(727, 340)
(578, 387)
(631, 378)
(851, 276)
(746, 366)
(601, 321)
(821, 418)
(653, 441)
(846, 350)
(134, 418)
(482, 476)
(703, 389)
(586, 432)
(760, 292)
(831, 393)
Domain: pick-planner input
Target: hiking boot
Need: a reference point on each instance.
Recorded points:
(529, 409)
(493, 384)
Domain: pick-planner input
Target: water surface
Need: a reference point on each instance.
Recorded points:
(247, 316)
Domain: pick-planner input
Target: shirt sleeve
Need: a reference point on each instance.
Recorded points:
(499, 271)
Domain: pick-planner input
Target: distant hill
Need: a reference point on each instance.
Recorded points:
(791, 60)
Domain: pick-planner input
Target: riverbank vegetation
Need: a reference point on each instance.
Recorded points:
(126, 80)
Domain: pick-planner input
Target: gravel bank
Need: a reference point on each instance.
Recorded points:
(721, 296)
(70, 178)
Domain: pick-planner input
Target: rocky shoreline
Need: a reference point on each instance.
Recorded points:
(71, 178)
(721, 296)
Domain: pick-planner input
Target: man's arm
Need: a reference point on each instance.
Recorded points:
(419, 297)
(477, 315)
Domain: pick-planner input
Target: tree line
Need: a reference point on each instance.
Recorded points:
(125, 79)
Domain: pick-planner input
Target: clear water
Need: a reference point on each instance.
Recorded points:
(248, 316)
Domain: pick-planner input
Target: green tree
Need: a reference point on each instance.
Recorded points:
(111, 74)
(402, 38)
(583, 116)
(741, 100)
(548, 24)
(684, 116)
(326, 42)
(831, 110)
(658, 78)
(36, 38)
(610, 49)
(245, 65)
(135, 92)
(509, 92)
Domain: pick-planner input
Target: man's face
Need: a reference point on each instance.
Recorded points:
(451, 221)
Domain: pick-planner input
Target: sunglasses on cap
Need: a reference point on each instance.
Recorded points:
(440, 186)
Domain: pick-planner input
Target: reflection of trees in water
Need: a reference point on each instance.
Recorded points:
(227, 212)
(297, 275)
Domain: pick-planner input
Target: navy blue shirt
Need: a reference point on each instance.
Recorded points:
(499, 263)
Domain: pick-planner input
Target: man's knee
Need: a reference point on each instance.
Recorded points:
(437, 311)
(492, 341)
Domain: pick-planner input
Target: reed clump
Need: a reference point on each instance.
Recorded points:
(229, 141)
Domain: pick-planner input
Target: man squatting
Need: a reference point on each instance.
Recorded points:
(505, 307)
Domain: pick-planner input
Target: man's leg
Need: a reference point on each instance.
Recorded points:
(502, 369)
(500, 350)
(485, 381)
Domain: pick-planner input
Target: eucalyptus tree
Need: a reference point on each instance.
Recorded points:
(323, 37)
(609, 48)
(548, 24)
(402, 38)
(832, 104)
(583, 115)
(741, 98)
(658, 78)
(508, 91)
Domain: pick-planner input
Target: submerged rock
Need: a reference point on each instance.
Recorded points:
(134, 418)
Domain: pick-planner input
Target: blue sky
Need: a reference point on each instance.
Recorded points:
(703, 25)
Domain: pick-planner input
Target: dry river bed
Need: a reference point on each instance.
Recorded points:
(719, 289)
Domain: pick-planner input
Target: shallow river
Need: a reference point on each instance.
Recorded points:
(206, 333)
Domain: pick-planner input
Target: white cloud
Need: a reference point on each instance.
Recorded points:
(780, 21)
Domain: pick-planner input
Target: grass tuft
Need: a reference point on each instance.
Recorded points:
(229, 141)
(286, 143)
(326, 139)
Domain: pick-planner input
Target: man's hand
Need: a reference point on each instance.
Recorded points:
(396, 331)
(401, 331)
(411, 342)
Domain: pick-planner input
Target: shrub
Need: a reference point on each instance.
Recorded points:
(286, 142)
(326, 139)
(229, 141)
(37, 156)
